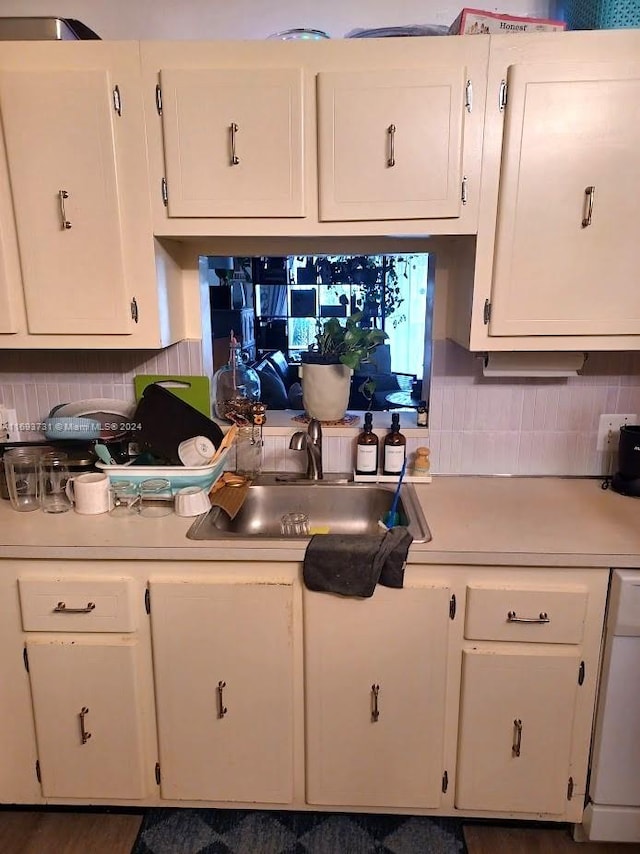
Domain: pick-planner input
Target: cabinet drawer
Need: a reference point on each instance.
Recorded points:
(77, 605)
(525, 614)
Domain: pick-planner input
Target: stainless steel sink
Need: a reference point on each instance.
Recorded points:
(337, 508)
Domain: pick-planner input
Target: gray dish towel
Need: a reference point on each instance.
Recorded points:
(352, 564)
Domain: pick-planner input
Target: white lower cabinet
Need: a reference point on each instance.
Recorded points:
(223, 661)
(375, 696)
(515, 729)
(88, 717)
(469, 692)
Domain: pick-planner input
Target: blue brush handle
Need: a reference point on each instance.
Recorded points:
(394, 503)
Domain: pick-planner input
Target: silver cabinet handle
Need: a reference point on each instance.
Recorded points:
(233, 127)
(375, 711)
(83, 732)
(517, 737)
(589, 195)
(391, 160)
(222, 709)
(64, 222)
(61, 608)
(512, 617)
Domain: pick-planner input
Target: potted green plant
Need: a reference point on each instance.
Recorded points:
(327, 366)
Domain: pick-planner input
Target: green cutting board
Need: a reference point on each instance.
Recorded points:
(192, 390)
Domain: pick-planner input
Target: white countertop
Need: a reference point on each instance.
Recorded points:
(514, 521)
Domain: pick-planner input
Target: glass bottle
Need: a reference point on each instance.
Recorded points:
(421, 414)
(235, 386)
(395, 448)
(367, 448)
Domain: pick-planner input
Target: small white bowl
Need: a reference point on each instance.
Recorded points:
(191, 501)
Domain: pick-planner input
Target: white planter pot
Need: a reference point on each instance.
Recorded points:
(325, 390)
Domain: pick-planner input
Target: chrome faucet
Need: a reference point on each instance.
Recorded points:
(311, 442)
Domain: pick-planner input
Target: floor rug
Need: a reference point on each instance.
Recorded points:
(208, 831)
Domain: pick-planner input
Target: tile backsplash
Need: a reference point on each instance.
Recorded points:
(34, 381)
(477, 425)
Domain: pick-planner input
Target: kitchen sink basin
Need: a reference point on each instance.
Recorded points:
(336, 508)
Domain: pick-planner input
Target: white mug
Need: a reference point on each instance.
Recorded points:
(89, 493)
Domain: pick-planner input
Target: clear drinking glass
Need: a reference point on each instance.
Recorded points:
(248, 452)
(124, 499)
(21, 472)
(53, 475)
(156, 498)
(294, 524)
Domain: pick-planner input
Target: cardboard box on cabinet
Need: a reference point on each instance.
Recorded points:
(478, 21)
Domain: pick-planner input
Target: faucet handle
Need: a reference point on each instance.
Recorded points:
(315, 431)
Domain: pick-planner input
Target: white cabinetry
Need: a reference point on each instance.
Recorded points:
(233, 141)
(315, 139)
(529, 669)
(557, 241)
(375, 696)
(469, 691)
(223, 660)
(75, 166)
(88, 717)
(390, 143)
(90, 677)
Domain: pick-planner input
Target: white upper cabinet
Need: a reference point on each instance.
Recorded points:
(58, 128)
(567, 246)
(390, 143)
(286, 139)
(233, 141)
(76, 210)
(557, 249)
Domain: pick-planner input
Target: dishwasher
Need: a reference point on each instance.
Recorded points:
(613, 810)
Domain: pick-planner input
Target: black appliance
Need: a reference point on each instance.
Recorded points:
(626, 480)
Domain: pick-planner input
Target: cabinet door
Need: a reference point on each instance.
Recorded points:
(516, 725)
(233, 142)
(59, 134)
(567, 244)
(223, 659)
(10, 279)
(88, 715)
(390, 143)
(375, 697)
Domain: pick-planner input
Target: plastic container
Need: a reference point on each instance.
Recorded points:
(178, 476)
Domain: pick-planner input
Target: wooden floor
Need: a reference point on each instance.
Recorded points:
(42, 832)
(496, 839)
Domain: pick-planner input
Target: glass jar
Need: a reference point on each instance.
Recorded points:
(248, 451)
(235, 386)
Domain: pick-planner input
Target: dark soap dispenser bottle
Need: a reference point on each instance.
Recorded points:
(367, 449)
(395, 448)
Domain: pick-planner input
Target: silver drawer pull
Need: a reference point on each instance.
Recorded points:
(375, 711)
(517, 737)
(512, 617)
(391, 159)
(64, 222)
(83, 732)
(222, 709)
(233, 128)
(61, 608)
(589, 198)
